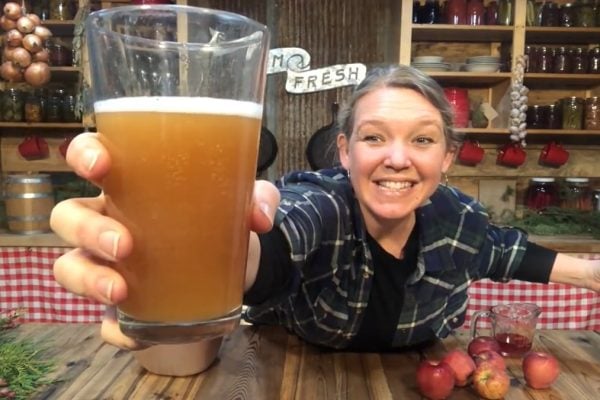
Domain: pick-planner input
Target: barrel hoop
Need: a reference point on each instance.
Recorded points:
(28, 218)
(44, 179)
(27, 195)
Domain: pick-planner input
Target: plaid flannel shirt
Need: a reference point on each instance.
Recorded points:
(333, 269)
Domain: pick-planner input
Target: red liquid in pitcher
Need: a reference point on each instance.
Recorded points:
(513, 344)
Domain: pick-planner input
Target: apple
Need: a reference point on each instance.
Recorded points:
(462, 365)
(492, 357)
(540, 369)
(482, 343)
(490, 382)
(435, 379)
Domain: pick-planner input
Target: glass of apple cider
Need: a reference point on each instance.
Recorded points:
(178, 99)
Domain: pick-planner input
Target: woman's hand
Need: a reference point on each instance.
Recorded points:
(99, 240)
(576, 272)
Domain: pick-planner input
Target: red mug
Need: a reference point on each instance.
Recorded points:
(511, 155)
(33, 148)
(554, 155)
(64, 146)
(470, 153)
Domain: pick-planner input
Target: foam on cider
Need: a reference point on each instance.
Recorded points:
(173, 104)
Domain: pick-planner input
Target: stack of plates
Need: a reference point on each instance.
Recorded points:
(482, 64)
(430, 63)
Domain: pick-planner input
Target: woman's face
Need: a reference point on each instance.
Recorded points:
(396, 154)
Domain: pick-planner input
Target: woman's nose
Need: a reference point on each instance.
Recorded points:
(397, 156)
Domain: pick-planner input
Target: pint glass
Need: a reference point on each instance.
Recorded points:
(178, 94)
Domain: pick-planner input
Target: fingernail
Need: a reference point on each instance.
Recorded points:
(109, 243)
(105, 286)
(266, 209)
(90, 156)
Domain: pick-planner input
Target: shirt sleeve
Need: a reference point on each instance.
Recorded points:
(275, 271)
(536, 265)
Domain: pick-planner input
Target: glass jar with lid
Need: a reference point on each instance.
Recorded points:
(54, 105)
(585, 14)
(12, 105)
(592, 113)
(594, 58)
(572, 112)
(576, 194)
(541, 194)
(69, 105)
(33, 107)
(62, 10)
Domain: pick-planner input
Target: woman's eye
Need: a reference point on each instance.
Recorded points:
(371, 138)
(424, 140)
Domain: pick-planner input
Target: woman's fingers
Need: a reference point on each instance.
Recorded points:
(112, 334)
(80, 223)
(265, 202)
(88, 157)
(81, 274)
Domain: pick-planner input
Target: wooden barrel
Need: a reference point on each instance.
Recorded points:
(28, 200)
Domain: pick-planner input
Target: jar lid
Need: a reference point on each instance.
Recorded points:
(543, 180)
(577, 180)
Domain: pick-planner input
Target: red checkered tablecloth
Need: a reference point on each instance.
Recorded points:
(26, 282)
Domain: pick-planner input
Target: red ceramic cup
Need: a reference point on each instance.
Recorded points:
(64, 146)
(470, 153)
(554, 155)
(33, 148)
(511, 155)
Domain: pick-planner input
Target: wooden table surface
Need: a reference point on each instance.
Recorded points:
(267, 363)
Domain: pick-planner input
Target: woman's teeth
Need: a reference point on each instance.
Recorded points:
(395, 185)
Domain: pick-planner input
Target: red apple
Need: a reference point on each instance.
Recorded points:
(482, 343)
(462, 365)
(540, 369)
(492, 357)
(490, 382)
(435, 379)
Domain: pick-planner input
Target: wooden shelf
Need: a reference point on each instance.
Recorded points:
(42, 125)
(8, 239)
(565, 80)
(59, 28)
(462, 33)
(544, 34)
(470, 78)
(579, 132)
(568, 244)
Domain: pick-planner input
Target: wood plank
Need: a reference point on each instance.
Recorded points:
(12, 161)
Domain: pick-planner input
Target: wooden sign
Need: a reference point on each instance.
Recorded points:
(295, 62)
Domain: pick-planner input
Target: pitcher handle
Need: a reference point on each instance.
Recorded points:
(476, 316)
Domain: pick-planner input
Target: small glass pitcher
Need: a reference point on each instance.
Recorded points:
(513, 326)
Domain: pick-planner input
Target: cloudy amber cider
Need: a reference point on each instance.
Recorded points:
(181, 181)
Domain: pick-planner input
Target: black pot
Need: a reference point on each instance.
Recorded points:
(267, 150)
(321, 150)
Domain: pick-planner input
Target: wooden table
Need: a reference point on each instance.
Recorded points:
(267, 363)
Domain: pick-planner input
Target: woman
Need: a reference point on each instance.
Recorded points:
(375, 255)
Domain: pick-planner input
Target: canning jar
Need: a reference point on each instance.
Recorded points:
(572, 112)
(594, 59)
(553, 117)
(536, 118)
(41, 8)
(562, 60)
(541, 193)
(475, 12)
(54, 105)
(12, 105)
(69, 112)
(505, 12)
(592, 113)
(545, 61)
(550, 14)
(33, 108)
(61, 10)
(579, 60)
(576, 194)
(585, 15)
(596, 200)
(60, 54)
(567, 15)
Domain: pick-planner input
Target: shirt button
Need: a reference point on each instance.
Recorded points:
(455, 320)
(365, 275)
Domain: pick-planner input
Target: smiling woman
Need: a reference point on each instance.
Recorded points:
(375, 255)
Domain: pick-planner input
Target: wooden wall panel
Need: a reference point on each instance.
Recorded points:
(333, 32)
